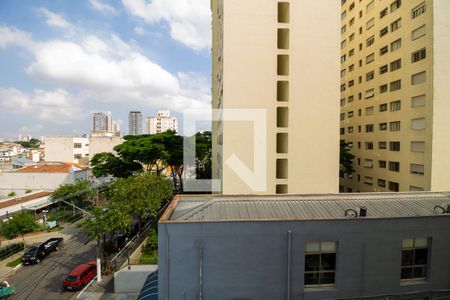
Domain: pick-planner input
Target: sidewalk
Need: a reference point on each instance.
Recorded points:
(66, 233)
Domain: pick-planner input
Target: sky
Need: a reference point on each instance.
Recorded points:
(62, 60)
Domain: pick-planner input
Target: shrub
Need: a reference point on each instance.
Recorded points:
(28, 191)
(21, 223)
(12, 194)
(152, 241)
(9, 250)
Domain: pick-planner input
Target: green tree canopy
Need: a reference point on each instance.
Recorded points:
(345, 159)
(106, 163)
(21, 223)
(76, 193)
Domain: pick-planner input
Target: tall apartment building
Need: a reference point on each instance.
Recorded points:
(102, 122)
(395, 108)
(279, 57)
(162, 122)
(135, 123)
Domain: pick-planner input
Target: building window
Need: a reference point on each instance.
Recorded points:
(352, 21)
(343, 73)
(417, 169)
(395, 5)
(383, 107)
(283, 12)
(283, 38)
(320, 264)
(370, 93)
(418, 10)
(418, 146)
(343, 58)
(396, 25)
(342, 117)
(414, 259)
(282, 168)
(370, 58)
(343, 44)
(352, 37)
(384, 50)
(342, 102)
(350, 129)
(395, 65)
(394, 146)
(384, 13)
(370, 6)
(394, 126)
(370, 76)
(419, 55)
(369, 146)
(370, 41)
(381, 183)
(396, 105)
(351, 68)
(351, 52)
(418, 124)
(368, 180)
(343, 15)
(343, 87)
(343, 29)
(350, 114)
(382, 145)
(370, 23)
(395, 85)
(394, 166)
(383, 126)
(369, 111)
(419, 32)
(382, 164)
(384, 69)
(395, 45)
(350, 99)
(418, 101)
(77, 145)
(369, 128)
(368, 163)
(383, 88)
(352, 6)
(351, 83)
(418, 78)
(394, 186)
(78, 156)
(384, 31)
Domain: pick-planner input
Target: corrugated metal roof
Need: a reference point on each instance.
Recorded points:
(309, 207)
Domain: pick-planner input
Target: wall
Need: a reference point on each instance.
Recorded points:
(248, 260)
(62, 148)
(103, 144)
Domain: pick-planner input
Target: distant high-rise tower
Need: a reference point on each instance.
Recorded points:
(135, 123)
(102, 122)
(161, 123)
(279, 57)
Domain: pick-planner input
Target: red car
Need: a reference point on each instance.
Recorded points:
(80, 276)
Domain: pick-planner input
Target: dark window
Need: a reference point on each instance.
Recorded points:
(320, 264)
(414, 259)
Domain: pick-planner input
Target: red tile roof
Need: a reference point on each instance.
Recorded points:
(51, 168)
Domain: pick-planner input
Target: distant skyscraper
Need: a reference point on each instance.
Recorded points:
(135, 123)
(102, 122)
(161, 123)
(116, 128)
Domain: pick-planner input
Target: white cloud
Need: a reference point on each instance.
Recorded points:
(56, 106)
(189, 20)
(139, 30)
(108, 70)
(12, 36)
(53, 19)
(103, 7)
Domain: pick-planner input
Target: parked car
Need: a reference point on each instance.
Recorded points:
(80, 276)
(37, 252)
(6, 290)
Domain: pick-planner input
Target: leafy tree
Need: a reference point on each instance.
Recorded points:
(173, 144)
(33, 143)
(21, 223)
(345, 159)
(203, 161)
(106, 222)
(142, 194)
(76, 193)
(106, 163)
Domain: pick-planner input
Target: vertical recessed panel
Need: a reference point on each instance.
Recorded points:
(283, 65)
(283, 91)
(282, 168)
(282, 143)
(282, 189)
(283, 12)
(282, 117)
(283, 38)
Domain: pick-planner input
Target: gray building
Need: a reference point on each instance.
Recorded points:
(135, 123)
(102, 122)
(346, 246)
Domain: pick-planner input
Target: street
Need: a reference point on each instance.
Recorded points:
(44, 281)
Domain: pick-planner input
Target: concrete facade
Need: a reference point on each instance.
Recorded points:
(162, 122)
(265, 259)
(394, 94)
(67, 149)
(279, 57)
(135, 123)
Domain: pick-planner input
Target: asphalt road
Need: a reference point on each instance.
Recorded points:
(44, 281)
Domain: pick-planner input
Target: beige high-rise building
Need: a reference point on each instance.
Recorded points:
(281, 57)
(395, 94)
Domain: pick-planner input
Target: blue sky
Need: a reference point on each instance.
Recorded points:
(62, 60)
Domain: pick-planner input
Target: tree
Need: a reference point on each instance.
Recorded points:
(345, 159)
(174, 145)
(106, 222)
(21, 223)
(106, 163)
(143, 194)
(203, 161)
(32, 143)
(76, 193)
